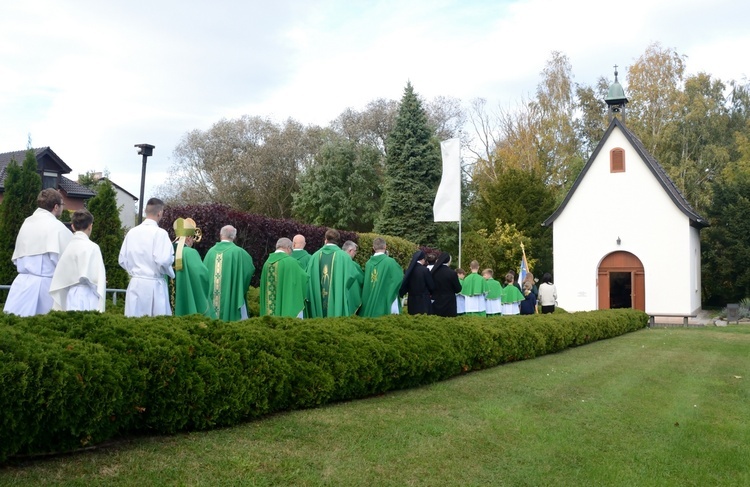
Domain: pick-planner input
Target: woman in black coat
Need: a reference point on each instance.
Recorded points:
(418, 284)
(446, 287)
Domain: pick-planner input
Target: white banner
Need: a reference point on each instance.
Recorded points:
(447, 207)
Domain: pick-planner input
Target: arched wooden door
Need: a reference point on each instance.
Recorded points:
(621, 282)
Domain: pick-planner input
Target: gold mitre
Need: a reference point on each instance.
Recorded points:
(183, 228)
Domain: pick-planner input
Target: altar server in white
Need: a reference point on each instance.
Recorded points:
(39, 244)
(79, 282)
(147, 254)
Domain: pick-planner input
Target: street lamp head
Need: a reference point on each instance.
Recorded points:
(145, 149)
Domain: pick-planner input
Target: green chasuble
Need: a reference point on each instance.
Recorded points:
(383, 277)
(191, 285)
(282, 286)
(355, 291)
(474, 284)
(302, 257)
(511, 294)
(494, 289)
(331, 276)
(230, 269)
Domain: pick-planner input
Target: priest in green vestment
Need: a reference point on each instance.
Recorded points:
(299, 253)
(191, 275)
(230, 269)
(282, 283)
(383, 278)
(355, 290)
(331, 277)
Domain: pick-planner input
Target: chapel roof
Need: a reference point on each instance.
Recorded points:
(656, 169)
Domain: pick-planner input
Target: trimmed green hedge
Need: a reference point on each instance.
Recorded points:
(75, 379)
(398, 248)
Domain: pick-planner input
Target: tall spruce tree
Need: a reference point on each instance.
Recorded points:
(22, 187)
(107, 233)
(413, 169)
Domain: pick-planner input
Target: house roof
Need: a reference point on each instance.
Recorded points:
(72, 188)
(46, 159)
(105, 178)
(42, 154)
(666, 182)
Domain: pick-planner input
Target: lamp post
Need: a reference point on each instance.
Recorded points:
(145, 150)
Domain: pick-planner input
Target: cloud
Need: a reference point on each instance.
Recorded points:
(92, 78)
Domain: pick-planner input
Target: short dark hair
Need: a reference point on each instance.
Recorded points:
(154, 206)
(81, 220)
(333, 236)
(48, 198)
(547, 278)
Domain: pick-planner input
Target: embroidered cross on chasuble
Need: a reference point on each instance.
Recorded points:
(217, 284)
(271, 290)
(326, 270)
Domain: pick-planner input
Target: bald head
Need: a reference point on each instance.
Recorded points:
(228, 232)
(299, 242)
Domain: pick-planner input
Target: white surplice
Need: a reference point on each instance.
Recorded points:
(79, 282)
(475, 304)
(40, 241)
(147, 254)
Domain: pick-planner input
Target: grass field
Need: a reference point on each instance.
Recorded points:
(656, 407)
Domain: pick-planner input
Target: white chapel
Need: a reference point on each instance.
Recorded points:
(624, 236)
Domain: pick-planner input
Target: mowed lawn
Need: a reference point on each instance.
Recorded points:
(667, 406)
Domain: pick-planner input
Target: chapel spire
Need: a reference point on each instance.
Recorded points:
(616, 99)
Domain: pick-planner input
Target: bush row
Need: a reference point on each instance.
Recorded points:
(76, 379)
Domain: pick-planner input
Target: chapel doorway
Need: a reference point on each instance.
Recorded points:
(621, 282)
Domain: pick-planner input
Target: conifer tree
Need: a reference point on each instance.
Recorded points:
(413, 170)
(107, 233)
(22, 187)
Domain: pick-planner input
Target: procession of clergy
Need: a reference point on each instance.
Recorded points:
(63, 270)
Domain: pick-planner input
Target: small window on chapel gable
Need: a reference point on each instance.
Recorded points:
(617, 160)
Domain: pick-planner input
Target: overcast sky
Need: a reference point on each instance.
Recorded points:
(91, 78)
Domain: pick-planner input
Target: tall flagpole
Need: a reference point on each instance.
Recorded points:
(460, 212)
(459, 238)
